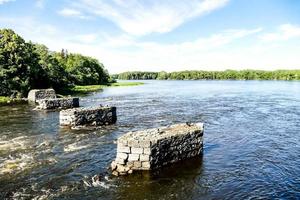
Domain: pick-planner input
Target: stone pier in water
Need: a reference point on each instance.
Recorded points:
(58, 103)
(38, 94)
(154, 148)
(90, 116)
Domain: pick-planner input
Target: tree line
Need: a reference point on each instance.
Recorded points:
(212, 75)
(25, 65)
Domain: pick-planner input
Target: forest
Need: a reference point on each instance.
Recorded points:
(26, 65)
(212, 75)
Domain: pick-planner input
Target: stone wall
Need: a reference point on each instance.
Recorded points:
(154, 148)
(58, 103)
(39, 94)
(92, 116)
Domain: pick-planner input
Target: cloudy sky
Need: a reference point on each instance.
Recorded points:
(169, 35)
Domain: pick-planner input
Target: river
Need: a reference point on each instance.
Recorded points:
(251, 144)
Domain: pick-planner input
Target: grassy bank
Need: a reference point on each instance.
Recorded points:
(84, 89)
(10, 101)
(4, 100)
(126, 84)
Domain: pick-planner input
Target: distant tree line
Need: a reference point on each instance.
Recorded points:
(25, 65)
(136, 75)
(212, 75)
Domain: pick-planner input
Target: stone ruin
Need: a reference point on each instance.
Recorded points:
(154, 148)
(58, 103)
(90, 116)
(39, 94)
(46, 100)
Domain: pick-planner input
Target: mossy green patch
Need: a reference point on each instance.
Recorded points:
(126, 84)
(84, 89)
(9, 101)
(4, 100)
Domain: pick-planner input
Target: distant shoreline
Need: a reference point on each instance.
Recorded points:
(211, 75)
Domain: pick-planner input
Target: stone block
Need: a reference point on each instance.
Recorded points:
(121, 168)
(137, 164)
(130, 164)
(146, 165)
(133, 157)
(120, 161)
(90, 116)
(154, 148)
(133, 143)
(145, 143)
(147, 151)
(123, 149)
(123, 156)
(58, 103)
(136, 150)
(39, 94)
(144, 157)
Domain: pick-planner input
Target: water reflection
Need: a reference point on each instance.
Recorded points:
(176, 181)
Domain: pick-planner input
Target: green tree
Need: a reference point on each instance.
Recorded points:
(26, 65)
(17, 63)
(51, 72)
(85, 70)
(162, 75)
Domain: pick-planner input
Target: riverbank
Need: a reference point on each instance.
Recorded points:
(76, 90)
(11, 101)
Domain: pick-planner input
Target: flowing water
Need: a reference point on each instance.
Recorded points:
(251, 144)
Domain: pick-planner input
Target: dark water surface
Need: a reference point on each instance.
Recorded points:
(251, 144)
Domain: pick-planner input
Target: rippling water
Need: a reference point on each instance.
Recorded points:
(252, 144)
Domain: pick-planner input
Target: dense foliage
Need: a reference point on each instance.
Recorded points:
(17, 63)
(24, 65)
(135, 75)
(213, 75)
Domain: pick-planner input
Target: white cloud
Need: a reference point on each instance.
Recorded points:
(30, 29)
(215, 52)
(5, 1)
(144, 17)
(284, 32)
(228, 49)
(69, 12)
(217, 40)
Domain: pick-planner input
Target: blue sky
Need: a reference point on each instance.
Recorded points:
(169, 35)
